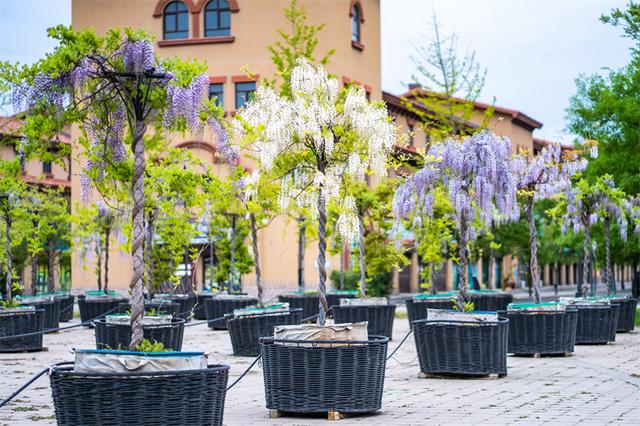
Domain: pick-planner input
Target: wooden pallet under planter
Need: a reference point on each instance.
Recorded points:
(328, 376)
(15, 323)
(542, 332)
(462, 348)
(245, 331)
(192, 397)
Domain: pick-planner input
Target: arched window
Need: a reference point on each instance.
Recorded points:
(176, 21)
(355, 23)
(217, 19)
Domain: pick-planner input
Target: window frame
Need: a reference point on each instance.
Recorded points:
(218, 11)
(175, 15)
(246, 92)
(356, 13)
(220, 98)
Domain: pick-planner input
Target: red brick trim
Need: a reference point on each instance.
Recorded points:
(159, 10)
(356, 3)
(357, 45)
(203, 40)
(217, 79)
(233, 6)
(201, 145)
(346, 80)
(244, 78)
(195, 24)
(47, 181)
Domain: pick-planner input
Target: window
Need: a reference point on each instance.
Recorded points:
(355, 23)
(410, 127)
(46, 167)
(216, 90)
(176, 21)
(244, 93)
(217, 19)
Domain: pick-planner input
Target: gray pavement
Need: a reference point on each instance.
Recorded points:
(598, 385)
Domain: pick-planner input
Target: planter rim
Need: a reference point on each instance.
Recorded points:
(454, 322)
(26, 311)
(174, 321)
(262, 314)
(362, 306)
(518, 312)
(372, 340)
(66, 369)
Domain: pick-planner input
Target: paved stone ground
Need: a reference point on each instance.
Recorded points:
(598, 385)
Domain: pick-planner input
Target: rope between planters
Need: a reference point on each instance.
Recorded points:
(26, 385)
(193, 324)
(398, 347)
(50, 330)
(245, 372)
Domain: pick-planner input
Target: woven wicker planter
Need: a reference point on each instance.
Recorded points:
(338, 376)
(51, 312)
(219, 307)
(490, 300)
(94, 308)
(14, 323)
(193, 397)
(309, 303)
(595, 324)
(542, 332)
(118, 336)
(186, 303)
(154, 307)
(459, 348)
(627, 317)
(417, 308)
(379, 317)
(333, 298)
(66, 306)
(199, 311)
(245, 331)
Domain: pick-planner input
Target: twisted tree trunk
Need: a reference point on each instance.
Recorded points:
(232, 267)
(148, 249)
(462, 264)
(586, 261)
(322, 249)
(301, 245)
(34, 274)
(107, 236)
(534, 270)
(608, 279)
(7, 228)
(256, 257)
(51, 267)
(342, 267)
(99, 265)
(363, 272)
(137, 244)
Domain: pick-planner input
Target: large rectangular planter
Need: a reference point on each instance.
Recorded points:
(51, 309)
(191, 397)
(417, 308)
(309, 303)
(95, 308)
(379, 317)
(627, 317)
(245, 331)
(118, 336)
(542, 332)
(343, 376)
(218, 307)
(154, 307)
(15, 323)
(66, 306)
(186, 303)
(490, 300)
(595, 324)
(199, 311)
(462, 348)
(333, 297)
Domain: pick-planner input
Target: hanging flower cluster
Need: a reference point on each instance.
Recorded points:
(314, 139)
(477, 173)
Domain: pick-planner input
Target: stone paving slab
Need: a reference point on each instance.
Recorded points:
(598, 385)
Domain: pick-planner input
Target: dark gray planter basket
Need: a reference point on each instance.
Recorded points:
(14, 323)
(542, 332)
(309, 303)
(245, 331)
(218, 308)
(380, 317)
(118, 336)
(596, 324)
(186, 302)
(66, 306)
(451, 347)
(417, 308)
(192, 397)
(333, 298)
(163, 307)
(51, 312)
(199, 311)
(94, 308)
(490, 300)
(343, 376)
(627, 317)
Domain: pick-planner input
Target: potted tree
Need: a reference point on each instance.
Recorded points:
(113, 88)
(312, 141)
(376, 260)
(15, 319)
(477, 175)
(94, 226)
(542, 328)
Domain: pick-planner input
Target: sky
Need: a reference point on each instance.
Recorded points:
(532, 49)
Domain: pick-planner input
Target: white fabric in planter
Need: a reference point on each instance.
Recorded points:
(578, 301)
(146, 320)
(232, 296)
(543, 307)
(17, 310)
(450, 315)
(367, 301)
(271, 309)
(112, 361)
(349, 332)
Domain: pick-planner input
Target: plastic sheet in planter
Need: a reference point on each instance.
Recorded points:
(581, 301)
(537, 307)
(105, 361)
(146, 320)
(445, 315)
(17, 310)
(276, 308)
(367, 301)
(349, 332)
(423, 297)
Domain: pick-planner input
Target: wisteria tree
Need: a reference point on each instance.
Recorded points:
(539, 177)
(477, 174)
(113, 87)
(312, 141)
(586, 204)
